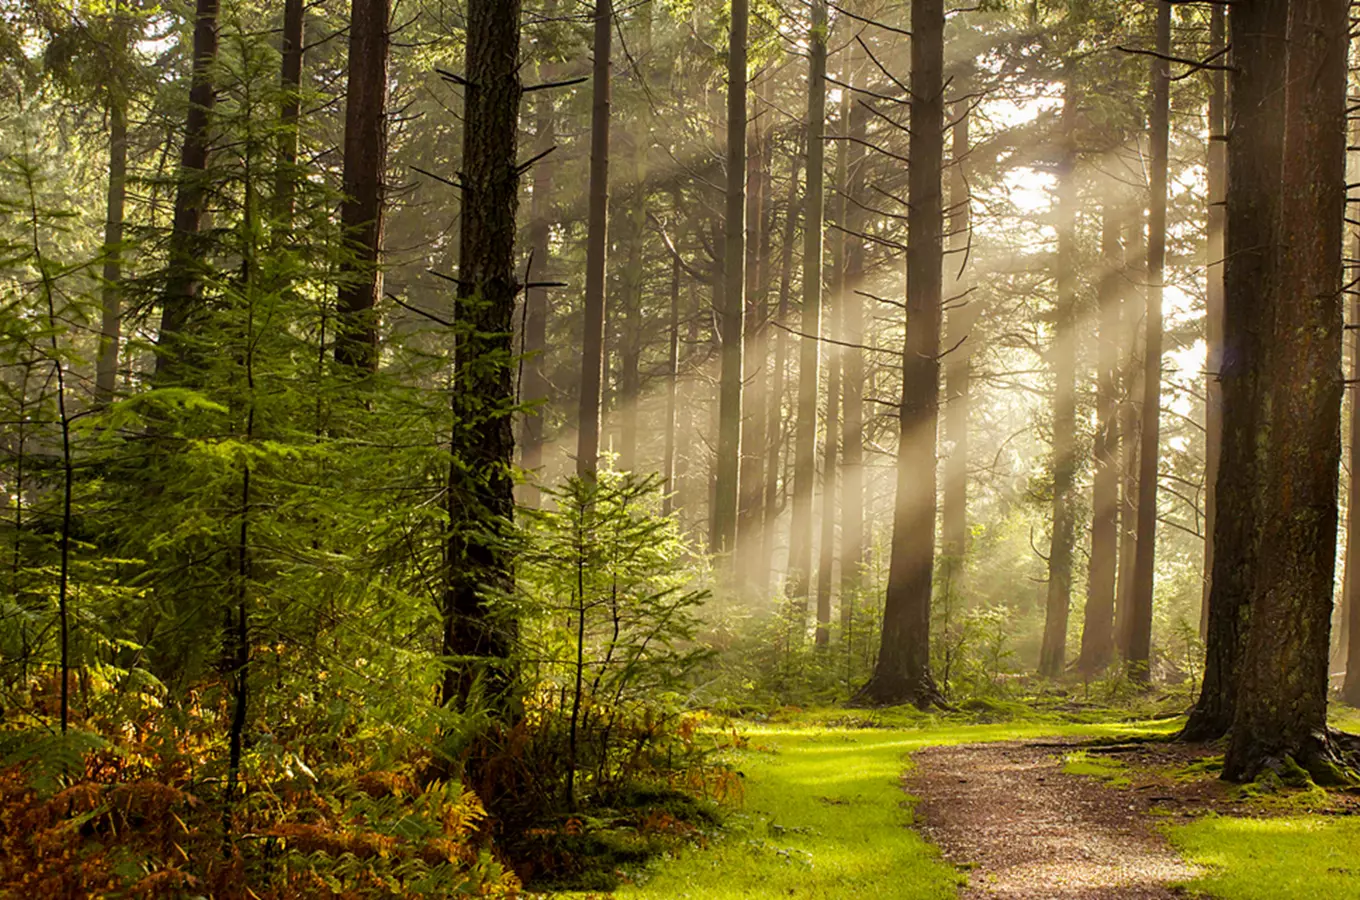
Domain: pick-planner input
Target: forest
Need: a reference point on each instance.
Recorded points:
(679, 448)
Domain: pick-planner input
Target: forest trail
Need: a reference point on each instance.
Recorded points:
(1031, 832)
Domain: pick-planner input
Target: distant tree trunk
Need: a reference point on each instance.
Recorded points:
(536, 387)
(1350, 593)
(810, 324)
(831, 444)
(754, 415)
(186, 251)
(958, 364)
(1282, 693)
(1053, 656)
(481, 491)
(852, 359)
(774, 423)
(106, 371)
(902, 674)
(290, 80)
(668, 469)
(597, 248)
(1130, 421)
(1140, 612)
(1255, 155)
(1213, 303)
(361, 210)
(1097, 636)
(726, 484)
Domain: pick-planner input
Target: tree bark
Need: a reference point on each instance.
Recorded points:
(187, 249)
(361, 210)
(810, 324)
(536, 387)
(958, 364)
(480, 498)
(1217, 170)
(597, 248)
(902, 673)
(728, 475)
(1130, 421)
(106, 368)
(290, 80)
(1053, 654)
(1097, 636)
(1138, 658)
(754, 414)
(1255, 148)
(1282, 692)
(853, 548)
(1350, 593)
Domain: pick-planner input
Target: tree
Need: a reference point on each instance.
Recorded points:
(1053, 655)
(597, 247)
(727, 482)
(853, 546)
(1255, 141)
(361, 209)
(478, 634)
(902, 674)
(1138, 655)
(958, 364)
(810, 323)
(186, 239)
(1217, 173)
(1282, 693)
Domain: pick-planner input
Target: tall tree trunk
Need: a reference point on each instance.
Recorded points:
(187, 248)
(668, 469)
(536, 387)
(1132, 308)
(597, 248)
(1213, 303)
(1140, 613)
(1097, 635)
(1053, 655)
(831, 444)
(1255, 155)
(480, 497)
(902, 674)
(958, 364)
(1350, 593)
(106, 371)
(726, 482)
(853, 547)
(1282, 693)
(290, 80)
(810, 324)
(774, 423)
(754, 415)
(361, 210)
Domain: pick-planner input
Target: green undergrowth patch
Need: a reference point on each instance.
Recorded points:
(1272, 858)
(824, 814)
(1113, 772)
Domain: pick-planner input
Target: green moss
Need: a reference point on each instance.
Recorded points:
(1272, 858)
(1112, 772)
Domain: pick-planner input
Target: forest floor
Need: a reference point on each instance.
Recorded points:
(848, 805)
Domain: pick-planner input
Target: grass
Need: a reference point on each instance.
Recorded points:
(825, 815)
(1114, 773)
(1273, 858)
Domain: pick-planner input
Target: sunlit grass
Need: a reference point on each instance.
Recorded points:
(1271, 859)
(825, 815)
(1112, 772)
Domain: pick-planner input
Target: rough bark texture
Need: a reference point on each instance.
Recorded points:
(724, 538)
(902, 673)
(1053, 654)
(1097, 635)
(1213, 302)
(361, 210)
(1282, 692)
(597, 249)
(106, 371)
(1138, 657)
(1255, 137)
(480, 498)
(810, 324)
(186, 249)
(1350, 594)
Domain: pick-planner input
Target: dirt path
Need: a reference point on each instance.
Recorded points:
(1031, 832)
